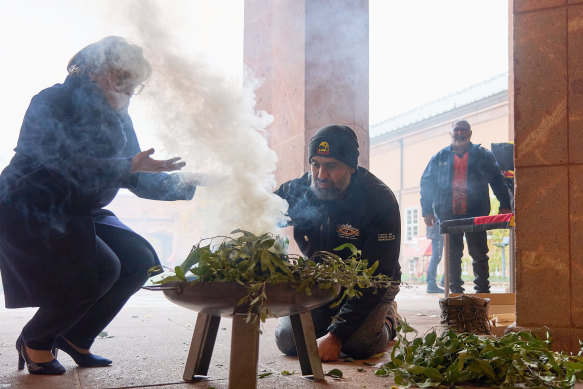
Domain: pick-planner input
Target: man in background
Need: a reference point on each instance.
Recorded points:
(454, 185)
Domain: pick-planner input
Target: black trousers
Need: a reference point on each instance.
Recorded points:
(478, 249)
(124, 259)
(370, 338)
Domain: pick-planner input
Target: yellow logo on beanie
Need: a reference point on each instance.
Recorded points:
(323, 148)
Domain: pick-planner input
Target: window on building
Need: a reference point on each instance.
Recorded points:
(411, 223)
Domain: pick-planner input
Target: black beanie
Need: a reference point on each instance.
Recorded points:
(335, 141)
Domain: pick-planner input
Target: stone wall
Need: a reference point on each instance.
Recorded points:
(548, 124)
(312, 59)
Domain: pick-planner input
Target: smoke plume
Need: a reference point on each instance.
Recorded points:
(211, 122)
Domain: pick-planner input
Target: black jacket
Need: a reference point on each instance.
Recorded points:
(368, 217)
(437, 181)
(73, 155)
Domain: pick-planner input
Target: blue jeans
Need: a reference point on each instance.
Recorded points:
(436, 251)
(370, 338)
(478, 249)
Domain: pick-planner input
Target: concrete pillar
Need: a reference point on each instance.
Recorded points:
(312, 59)
(548, 124)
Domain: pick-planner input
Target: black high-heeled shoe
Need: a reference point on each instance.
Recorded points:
(46, 368)
(83, 360)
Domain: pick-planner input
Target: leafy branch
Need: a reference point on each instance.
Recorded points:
(515, 360)
(257, 260)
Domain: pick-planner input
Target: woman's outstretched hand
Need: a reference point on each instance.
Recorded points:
(142, 162)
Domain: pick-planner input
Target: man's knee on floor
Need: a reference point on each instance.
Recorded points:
(284, 340)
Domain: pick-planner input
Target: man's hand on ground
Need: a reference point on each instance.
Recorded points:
(329, 347)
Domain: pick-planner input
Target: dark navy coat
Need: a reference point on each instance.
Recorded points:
(73, 154)
(368, 217)
(437, 181)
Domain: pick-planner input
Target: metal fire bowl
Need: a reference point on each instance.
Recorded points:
(222, 298)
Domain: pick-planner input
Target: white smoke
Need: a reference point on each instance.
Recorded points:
(211, 122)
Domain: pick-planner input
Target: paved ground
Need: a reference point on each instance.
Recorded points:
(150, 338)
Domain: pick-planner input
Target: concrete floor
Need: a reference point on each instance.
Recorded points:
(150, 338)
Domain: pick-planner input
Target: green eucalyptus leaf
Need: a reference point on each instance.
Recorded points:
(266, 244)
(335, 373)
(190, 261)
(155, 270)
(430, 338)
(381, 372)
(245, 233)
(372, 269)
(348, 246)
(179, 273)
(168, 279)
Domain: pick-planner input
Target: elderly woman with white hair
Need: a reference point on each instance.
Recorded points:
(60, 250)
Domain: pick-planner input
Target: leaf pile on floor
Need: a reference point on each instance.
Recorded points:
(256, 260)
(515, 360)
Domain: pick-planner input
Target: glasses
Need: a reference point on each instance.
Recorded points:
(130, 90)
(138, 89)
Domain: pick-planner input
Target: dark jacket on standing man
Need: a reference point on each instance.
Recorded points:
(437, 182)
(367, 217)
(73, 155)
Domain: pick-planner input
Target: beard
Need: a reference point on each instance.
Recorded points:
(334, 191)
(460, 142)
